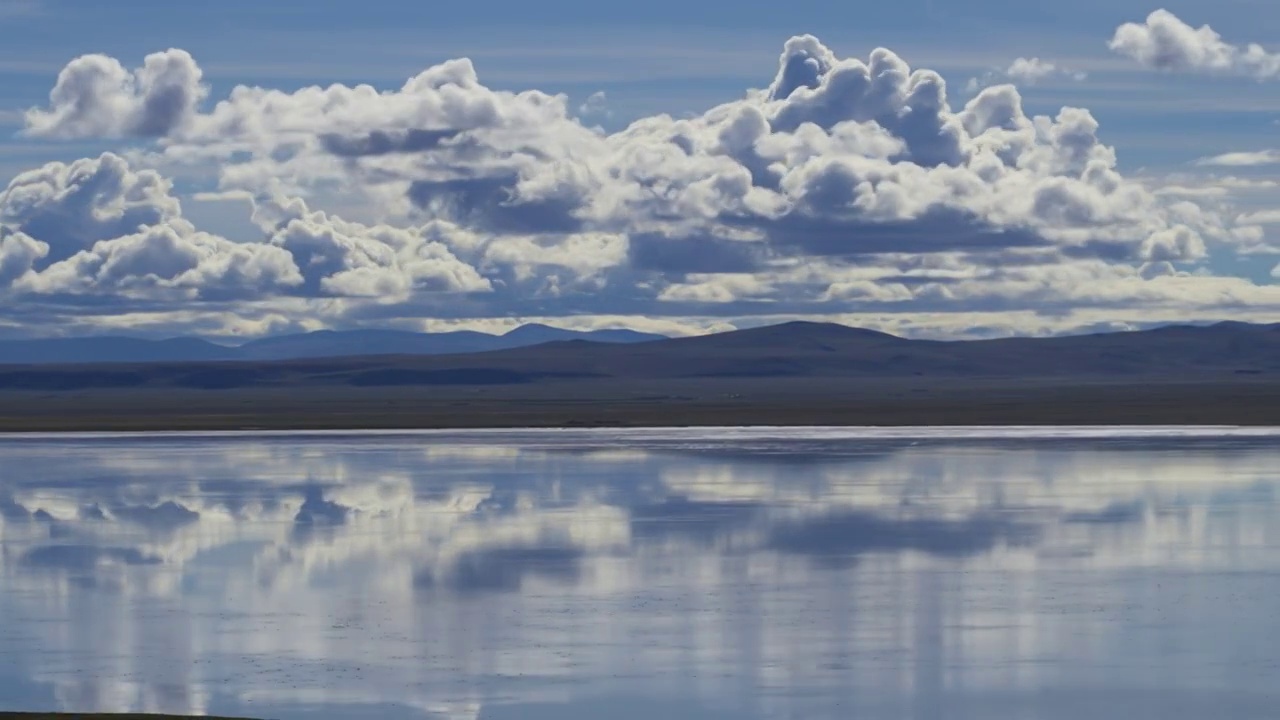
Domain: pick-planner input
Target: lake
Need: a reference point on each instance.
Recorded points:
(701, 574)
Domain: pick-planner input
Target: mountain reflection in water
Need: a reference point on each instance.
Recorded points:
(643, 574)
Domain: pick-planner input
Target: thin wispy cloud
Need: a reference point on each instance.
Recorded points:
(1025, 72)
(1242, 159)
(1033, 70)
(1261, 217)
(596, 106)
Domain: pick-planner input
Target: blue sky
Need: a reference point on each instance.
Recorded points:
(648, 59)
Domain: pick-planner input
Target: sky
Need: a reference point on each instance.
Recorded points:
(933, 169)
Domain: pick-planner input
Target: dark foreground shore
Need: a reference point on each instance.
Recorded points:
(712, 402)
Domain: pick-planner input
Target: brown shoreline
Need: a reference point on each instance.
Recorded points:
(713, 402)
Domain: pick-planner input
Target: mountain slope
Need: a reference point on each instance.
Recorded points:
(329, 343)
(536, 334)
(111, 349)
(320, 344)
(793, 350)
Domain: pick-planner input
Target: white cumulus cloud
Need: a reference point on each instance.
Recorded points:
(95, 96)
(842, 185)
(1165, 42)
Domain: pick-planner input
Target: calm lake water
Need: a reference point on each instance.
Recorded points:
(970, 575)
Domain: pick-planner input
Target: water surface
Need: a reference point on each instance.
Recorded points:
(701, 574)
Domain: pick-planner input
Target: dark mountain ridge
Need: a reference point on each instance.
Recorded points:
(319, 344)
(790, 350)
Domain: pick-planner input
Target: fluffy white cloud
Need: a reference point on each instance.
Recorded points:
(1030, 69)
(72, 206)
(95, 96)
(1165, 42)
(843, 185)
(349, 259)
(97, 227)
(868, 150)
(18, 254)
(168, 262)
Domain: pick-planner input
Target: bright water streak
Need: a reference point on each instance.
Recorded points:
(650, 574)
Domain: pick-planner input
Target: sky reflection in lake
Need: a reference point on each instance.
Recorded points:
(675, 574)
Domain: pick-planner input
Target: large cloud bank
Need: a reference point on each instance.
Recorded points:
(844, 187)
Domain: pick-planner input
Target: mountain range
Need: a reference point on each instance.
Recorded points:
(320, 344)
(790, 350)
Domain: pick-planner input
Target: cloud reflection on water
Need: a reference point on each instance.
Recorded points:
(487, 574)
